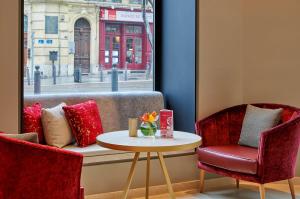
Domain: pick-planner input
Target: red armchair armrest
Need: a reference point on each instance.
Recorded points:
(278, 150)
(33, 171)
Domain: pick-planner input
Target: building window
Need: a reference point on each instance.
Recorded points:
(25, 23)
(136, 1)
(134, 29)
(109, 1)
(51, 24)
(76, 49)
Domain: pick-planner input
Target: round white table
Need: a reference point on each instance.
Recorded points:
(120, 140)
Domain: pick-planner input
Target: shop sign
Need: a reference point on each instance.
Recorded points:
(120, 15)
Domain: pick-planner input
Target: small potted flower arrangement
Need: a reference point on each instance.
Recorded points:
(148, 126)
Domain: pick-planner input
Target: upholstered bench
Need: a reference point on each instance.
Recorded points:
(114, 109)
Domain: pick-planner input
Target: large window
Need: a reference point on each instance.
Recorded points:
(82, 46)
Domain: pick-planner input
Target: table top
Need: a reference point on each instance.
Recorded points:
(120, 140)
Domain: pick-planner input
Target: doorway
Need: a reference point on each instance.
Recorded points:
(82, 38)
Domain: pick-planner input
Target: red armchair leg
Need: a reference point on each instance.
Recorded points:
(237, 183)
(262, 191)
(291, 184)
(202, 176)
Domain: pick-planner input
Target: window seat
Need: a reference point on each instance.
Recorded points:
(92, 150)
(115, 108)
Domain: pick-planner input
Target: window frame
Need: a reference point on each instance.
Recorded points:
(21, 57)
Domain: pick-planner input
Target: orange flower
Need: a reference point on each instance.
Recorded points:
(147, 117)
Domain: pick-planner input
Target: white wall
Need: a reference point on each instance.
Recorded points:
(9, 66)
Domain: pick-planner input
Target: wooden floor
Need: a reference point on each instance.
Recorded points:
(219, 188)
(246, 191)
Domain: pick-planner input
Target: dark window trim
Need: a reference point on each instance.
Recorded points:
(21, 64)
(158, 48)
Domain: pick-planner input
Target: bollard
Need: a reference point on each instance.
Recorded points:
(148, 71)
(101, 73)
(126, 69)
(28, 76)
(53, 73)
(77, 75)
(37, 80)
(114, 78)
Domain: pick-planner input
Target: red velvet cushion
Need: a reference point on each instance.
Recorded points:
(295, 114)
(32, 121)
(85, 122)
(287, 114)
(230, 157)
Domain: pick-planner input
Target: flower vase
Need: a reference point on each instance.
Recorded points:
(148, 129)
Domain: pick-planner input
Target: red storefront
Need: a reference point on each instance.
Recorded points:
(123, 39)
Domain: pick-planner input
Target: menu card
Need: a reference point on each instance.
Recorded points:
(166, 123)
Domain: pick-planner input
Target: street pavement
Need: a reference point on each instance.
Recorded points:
(90, 83)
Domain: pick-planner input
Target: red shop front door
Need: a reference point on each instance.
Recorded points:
(112, 45)
(134, 52)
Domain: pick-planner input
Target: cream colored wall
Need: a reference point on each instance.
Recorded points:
(220, 55)
(272, 51)
(248, 52)
(9, 80)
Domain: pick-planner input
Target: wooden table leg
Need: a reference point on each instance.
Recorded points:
(130, 176)
(167, 177)
(148, 175)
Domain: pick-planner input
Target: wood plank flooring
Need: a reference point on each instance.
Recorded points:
(246, 191)
(218, 188)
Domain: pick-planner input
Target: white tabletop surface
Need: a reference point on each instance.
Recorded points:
(120, 140)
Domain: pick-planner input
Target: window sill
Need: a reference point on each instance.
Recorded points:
(128, 157)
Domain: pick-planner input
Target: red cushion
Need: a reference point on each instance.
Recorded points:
(287, 114)
(85, 122)
(230, 157)
(32, 121)
(295, 114)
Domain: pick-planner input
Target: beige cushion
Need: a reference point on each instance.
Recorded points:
(29, 137)
(56, 128)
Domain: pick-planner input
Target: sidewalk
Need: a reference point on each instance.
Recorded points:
(90, 83)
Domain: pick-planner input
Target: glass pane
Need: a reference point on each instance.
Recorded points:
(25, 24)
(130, 29)
(138, 50)
(112, 28)
(51, 25)
(129, 50)
(107, 43)
(135, 1)
(116, 43)
(138, 29)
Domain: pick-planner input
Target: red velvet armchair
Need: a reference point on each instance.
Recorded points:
(33, 171)
(273, 160)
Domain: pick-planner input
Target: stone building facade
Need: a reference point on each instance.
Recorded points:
(53, 25)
